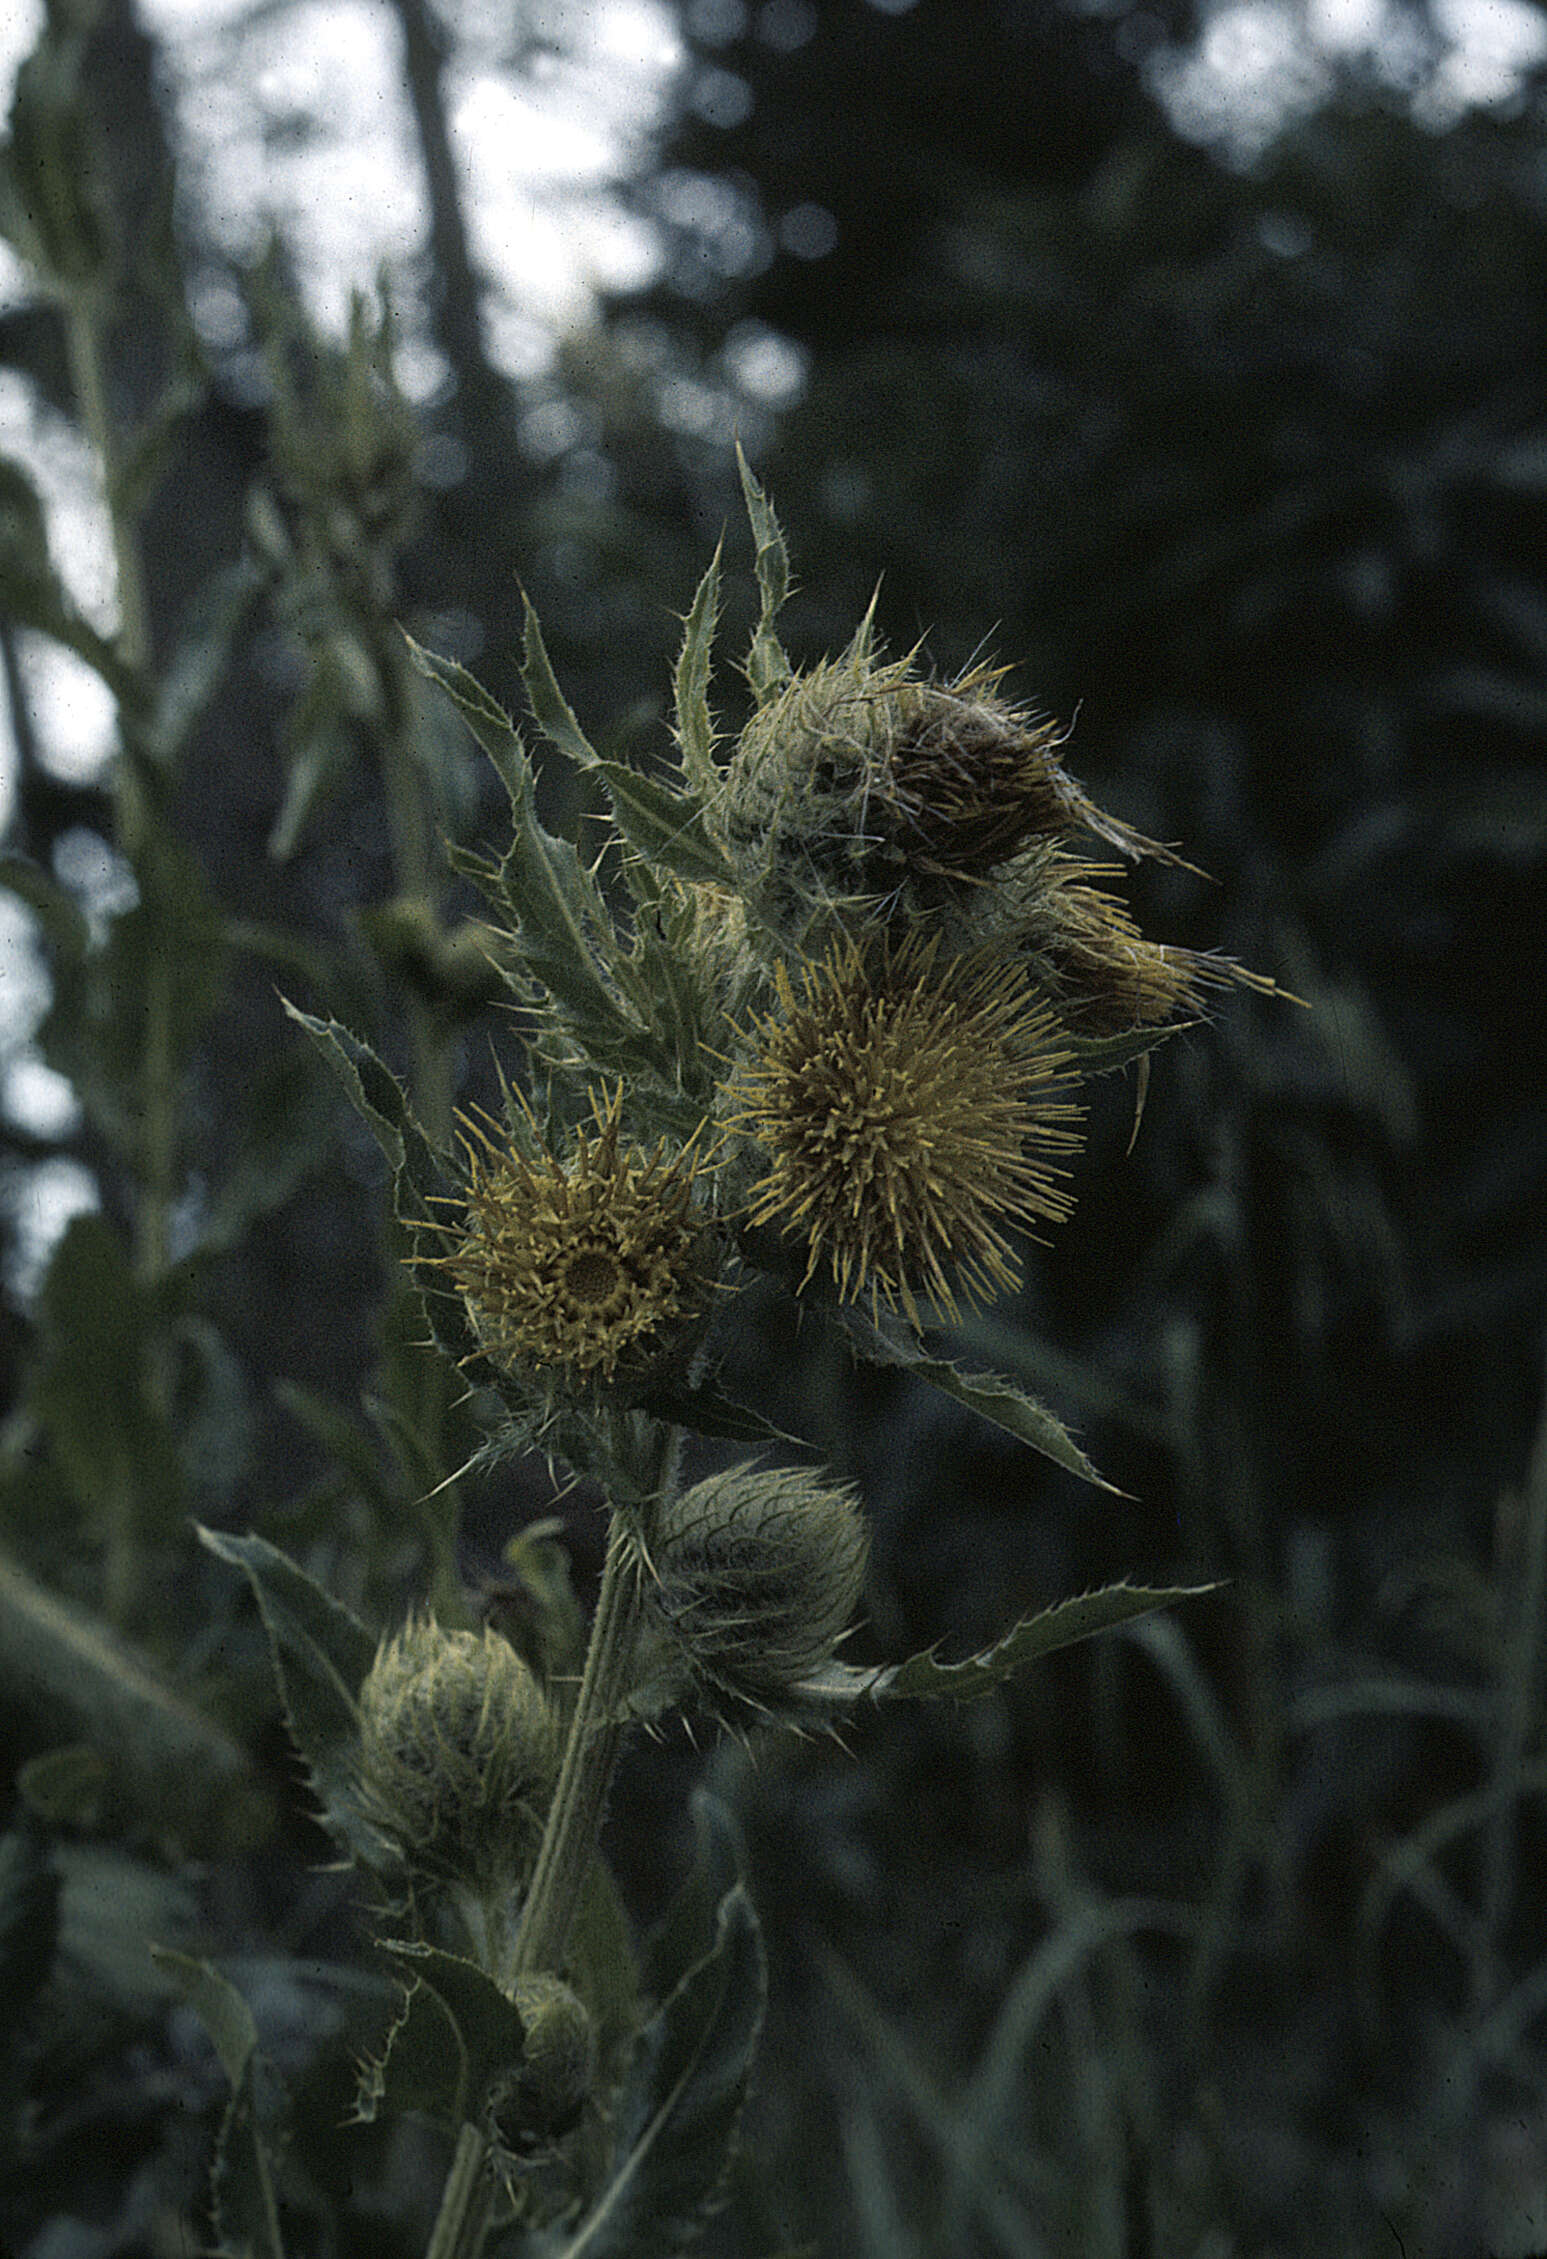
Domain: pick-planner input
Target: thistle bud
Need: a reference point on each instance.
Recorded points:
(458, 1752)
(758, 1573)
(558, 2065)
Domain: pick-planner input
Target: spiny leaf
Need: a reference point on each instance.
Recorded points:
(484, 716)
(322, 1654)
(987, 1394)
(1101, 1054)
(695, 723)
(556, 917)
(663, 825)
(458, 2037)
(421, 1177)
(1062, 1625)
(552, 710)
(675, 2121)
(767, 662)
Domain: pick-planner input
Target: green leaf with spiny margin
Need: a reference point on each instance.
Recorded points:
(768, 663)
(674, 2122)
(988, 1394)
(550, 708)
(707, 1412)
(556, 919)
(246, 2206)
(457, 2040)
(1062, 1625)
(694, 672)
(484, 716)
(322, 1654)
(663, 825)
(660, 823)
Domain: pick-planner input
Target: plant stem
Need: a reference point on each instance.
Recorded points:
(466, 2200)
(575, 1817)
(83, 333)
(568, 1846)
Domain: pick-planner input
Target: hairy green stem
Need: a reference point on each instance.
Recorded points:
(575, 1816)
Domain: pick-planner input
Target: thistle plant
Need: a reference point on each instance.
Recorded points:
(827, 1029)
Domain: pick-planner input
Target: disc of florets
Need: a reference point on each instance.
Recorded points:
(458, 1753)
(757, 1572)
(596, 1266)
(909, 1113)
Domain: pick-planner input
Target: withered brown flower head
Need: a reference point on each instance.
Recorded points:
(910, 1113)
(857, 776)
(1082, 949)
(583, 1262)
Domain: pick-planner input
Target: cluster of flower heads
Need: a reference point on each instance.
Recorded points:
(873, 963)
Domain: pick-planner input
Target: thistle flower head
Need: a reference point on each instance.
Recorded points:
(908, 1112)
(458, 1750)
(596, 1266)
(856, 778)
(757, 1574)
(1082, 949)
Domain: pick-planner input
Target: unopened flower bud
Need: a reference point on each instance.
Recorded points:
(458, 1751)
(759, 1570)
(558, 2064)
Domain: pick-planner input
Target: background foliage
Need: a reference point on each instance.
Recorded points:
(1222, 1936)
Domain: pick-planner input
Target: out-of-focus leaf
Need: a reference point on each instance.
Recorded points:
(137, 1004)
(29, 1923)
(1062, 1625)
(52, 205)
(54, 906)
(93, 1390)
(66, 1788)
(246, 2205)
(286, 1127)
(72, 1678)
(194, 672)
(321, 1656)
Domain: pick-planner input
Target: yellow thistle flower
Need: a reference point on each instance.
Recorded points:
(909, 1113)
(580, 1266)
